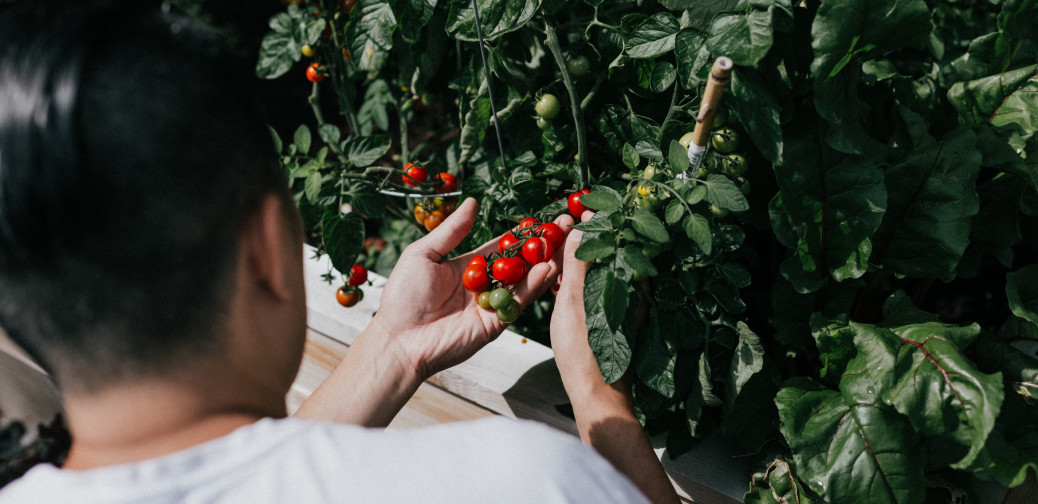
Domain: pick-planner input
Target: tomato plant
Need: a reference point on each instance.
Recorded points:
(888, 239)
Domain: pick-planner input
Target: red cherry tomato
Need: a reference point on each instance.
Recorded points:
(313, 73)
(537, 250)
(553, 233)
(416, 172)
(475, 279)
(528, 225)
(358, 275)
(450, 184)
(348, 296)
(478, 261)
(576, 208)
(509, 270)
(506, 242)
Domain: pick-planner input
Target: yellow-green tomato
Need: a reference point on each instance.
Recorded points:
(685, 140)
(483, 300)
(547, 107)
(725, 140)
(651, 250)
(308, 51)
(649, 173)
(718, 212)
(578, 66)
(703, 172)
(735, 165)
(543, 123)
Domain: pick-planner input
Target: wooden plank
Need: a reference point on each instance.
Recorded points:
(520, 380)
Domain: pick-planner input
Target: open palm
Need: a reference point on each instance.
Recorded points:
(433, 318)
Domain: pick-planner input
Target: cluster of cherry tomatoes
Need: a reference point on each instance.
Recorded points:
(350, 294)
(416, 174)
(431, 212)
(488, 277)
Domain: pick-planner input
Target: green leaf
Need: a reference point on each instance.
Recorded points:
(312, 30)
(1016, 22)
(828, 207)
(649, 148)
(276, 54)
(343, 237)
(614, 300)
(931, 198)
(329, 133)
(745, 37)
(596, 246)
(496, 17)
(654, 37)
(362, 151)
(302, 139)
(365, 200)
(898, 310)
(313, 187)
(721, 191)
(663, 76)
(600, 222)
(370, 34)
(692, 55)
(724, 291)
(602, 198)
(636, 260)
(759, 111)
(678, 157)
(611, 348)
(649, 226)
(413, 15)
(277, 139)
(855, 453)
(697, 228)
(835, 342)
(749, 408)
(1022, 291)
(675, 210)
(1007, 100)
(921, 370)
(630, 156)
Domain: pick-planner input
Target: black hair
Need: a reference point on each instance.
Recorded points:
(131, 156)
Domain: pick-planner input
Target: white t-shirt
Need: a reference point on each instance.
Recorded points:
(495, 460)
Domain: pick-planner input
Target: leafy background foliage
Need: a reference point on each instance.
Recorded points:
(857, 311)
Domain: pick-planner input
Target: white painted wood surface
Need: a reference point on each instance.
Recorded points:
(520, 380)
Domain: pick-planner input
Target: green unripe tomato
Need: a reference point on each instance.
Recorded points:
(725, 140)
(721, 119)
(745, 188)
(638, 275)
(548, 107)
(649, 173)
(720, 213)
(509, 312)
(500, 298)
(651, 250)
(735, 165)
(428, 99)
(543, 123)
(307, 51)
(703, 172)
(649, 203)
(686, 139)
(578, 66)
(483, 300)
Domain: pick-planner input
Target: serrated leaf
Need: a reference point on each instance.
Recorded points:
(596, 246)
(931, 198)
(412, 16)
(662, 77)
(630, 156)
(276, 54)
(653, 37)
(745, 37)
(602, 198)
(496, 17)
(759, 110)
(301, 139)
(636, 260)
(343, 237)
(362, 151)
(697, 228)
(600, 222)
(723, 193)
(370, 34)
(649, 226)
(611, 348)
(692, 56)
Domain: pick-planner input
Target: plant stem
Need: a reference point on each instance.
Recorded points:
(405, 141)
(591, 94)
(578, 113)
(675, 193)
(670, 111)
(490, 90)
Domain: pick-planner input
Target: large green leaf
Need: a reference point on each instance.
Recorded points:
(370, 34)
(649, 226)
(828, 207)
(343, 237)
(611, 348)
(362, 151)
(496, 18)
(922, 371)
(931, 198)
(721, 191)
(1016, 22)
(759, 110)
(1008, 100)
(745, 37)
(275, 56)
(835, 341)
(1022, 291)
(412, 16)
(653, 37)
(692, 56)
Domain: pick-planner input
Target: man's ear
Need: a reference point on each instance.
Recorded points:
(265, 247)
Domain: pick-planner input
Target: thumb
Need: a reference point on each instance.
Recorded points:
(448, 234)
(573, 269)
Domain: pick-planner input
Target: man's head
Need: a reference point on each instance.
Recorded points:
(138, 191)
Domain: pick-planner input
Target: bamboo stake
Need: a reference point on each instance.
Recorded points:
(720, 73)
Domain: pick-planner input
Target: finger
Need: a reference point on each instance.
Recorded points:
(586, 216)
(535, 283)
(573, 280)
(448, 234)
